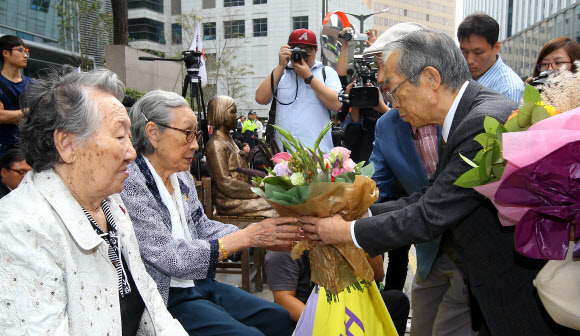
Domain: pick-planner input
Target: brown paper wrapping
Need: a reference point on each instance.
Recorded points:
(335, 267)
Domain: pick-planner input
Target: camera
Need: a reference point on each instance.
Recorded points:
(298, 55)
(192, 60)
(357, 37)
(542, 77)
(363, 95)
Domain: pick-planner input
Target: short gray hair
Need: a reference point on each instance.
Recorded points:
(156, 106)
(423, 48)
(61, 101)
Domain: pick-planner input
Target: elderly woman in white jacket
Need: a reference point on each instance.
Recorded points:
(69, 259)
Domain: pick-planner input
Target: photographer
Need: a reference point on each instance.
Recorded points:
(560, 52)
(359, 128)
(303, 89)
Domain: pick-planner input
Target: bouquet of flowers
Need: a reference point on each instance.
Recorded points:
(307, 182)
(530, 168)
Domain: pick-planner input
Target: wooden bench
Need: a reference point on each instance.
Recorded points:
(251, 265)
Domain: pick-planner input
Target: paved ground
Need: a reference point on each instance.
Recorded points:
(236, 280)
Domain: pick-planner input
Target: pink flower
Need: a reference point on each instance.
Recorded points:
(345, 152)
(282, 156)
(336, 172)
(348, 165)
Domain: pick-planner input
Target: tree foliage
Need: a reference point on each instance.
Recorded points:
(227, 72)
(84, 26)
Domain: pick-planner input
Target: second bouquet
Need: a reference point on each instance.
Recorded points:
(307, 182)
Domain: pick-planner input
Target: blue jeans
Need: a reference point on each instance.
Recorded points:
(213, 308)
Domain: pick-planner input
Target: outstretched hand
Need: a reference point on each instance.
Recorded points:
(329, 230)
(277, 234)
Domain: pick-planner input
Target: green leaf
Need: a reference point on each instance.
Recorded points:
(485, 139)
(525, 114)
(496, 153)
(490, 125)
(497, 171)
(345, 177)
(513, 125)
(500, 131)
(258, 191)
(531, 94)
(321, 178)
(539, 113)
(477, 158)
(322, 134)
(468, 161)
(278, 181)
(485, 167)
(469, 179)
(368, 170)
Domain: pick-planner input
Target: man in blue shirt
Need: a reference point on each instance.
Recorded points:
(305, 91)
(12, 83)
(478, 40)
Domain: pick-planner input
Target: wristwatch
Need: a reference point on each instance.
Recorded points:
(308, 79)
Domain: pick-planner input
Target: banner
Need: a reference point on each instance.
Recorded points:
(355, 313)
(197, 45)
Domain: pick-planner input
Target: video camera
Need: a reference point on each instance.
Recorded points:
(542, 77)
(357, 37)
(192, 60)
(363, 95)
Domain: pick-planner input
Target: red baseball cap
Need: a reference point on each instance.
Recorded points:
(302, 36)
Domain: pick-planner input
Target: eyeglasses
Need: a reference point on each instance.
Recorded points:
(23, 50)
(390, 94)
(555, 65)
(189, 134)
(20, 172)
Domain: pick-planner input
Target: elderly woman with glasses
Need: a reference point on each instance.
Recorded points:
(179, 244)
(69, 258)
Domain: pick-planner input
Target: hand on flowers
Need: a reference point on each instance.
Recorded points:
(277, 234)
(329, 230)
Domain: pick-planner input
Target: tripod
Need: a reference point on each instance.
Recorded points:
(192, 82)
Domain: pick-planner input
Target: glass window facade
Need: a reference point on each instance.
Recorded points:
(520, 51)
(146, 29)
(234, 29)
(176, 33)
(260, 2)
(40, 5)
(208, 4)
(260, 27)
(209, 31)
(233, 3)
(300, 22)
(155, 5)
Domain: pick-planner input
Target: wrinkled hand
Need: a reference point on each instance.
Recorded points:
(329, 230)
(284, 55)
(277, 234)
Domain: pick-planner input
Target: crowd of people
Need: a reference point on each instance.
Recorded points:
(102, 231)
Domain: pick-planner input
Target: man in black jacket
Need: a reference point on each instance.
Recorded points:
(428, 81)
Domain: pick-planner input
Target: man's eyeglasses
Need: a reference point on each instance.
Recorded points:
(20, 172)
(546, 65)
(189, 134)
(22, 50)
(390, 94)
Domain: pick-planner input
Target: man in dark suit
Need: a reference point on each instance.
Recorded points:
(428, 81)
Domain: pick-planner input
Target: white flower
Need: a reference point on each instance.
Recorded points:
(297, 179)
